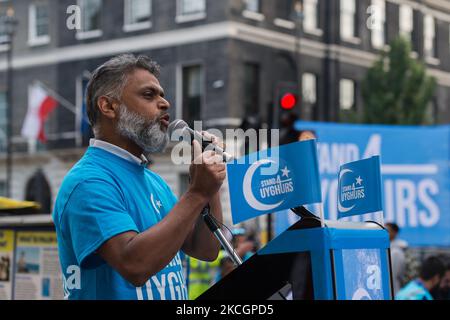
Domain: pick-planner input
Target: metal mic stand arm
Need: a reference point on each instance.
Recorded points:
(215, 229)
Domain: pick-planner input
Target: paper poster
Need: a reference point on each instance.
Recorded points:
(37, 269)
(6, 263)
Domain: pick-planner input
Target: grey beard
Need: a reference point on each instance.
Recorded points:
(147, 135)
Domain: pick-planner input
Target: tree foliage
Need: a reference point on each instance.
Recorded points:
(397, 89)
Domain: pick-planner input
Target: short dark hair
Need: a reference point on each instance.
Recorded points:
(431, 267)
(110, 78)
(393, 226)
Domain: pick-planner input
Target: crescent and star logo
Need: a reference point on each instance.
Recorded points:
(271, 191)
(349, 192)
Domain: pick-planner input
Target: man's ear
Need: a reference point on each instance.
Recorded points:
(108, 107)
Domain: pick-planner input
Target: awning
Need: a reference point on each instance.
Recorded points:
(11, 206)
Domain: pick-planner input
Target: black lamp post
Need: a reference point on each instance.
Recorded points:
(298, 10)
(9, 23)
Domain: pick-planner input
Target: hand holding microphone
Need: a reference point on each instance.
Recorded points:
(208, 140)
(207, 171)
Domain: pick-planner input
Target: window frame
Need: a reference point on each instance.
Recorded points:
(401, 17)
(83, 34)
(129, 26)
(434, 58)
(341, 83)
(180, 85)
(354, 37)
(187, 17)
(251, 14)
(383, 24)
(304, 92)
(33, 38)
(317, 31)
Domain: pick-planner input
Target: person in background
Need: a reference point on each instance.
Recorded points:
(431, 274)
(226, 266)
(398, 258)
(443, 291)
(201, 275)
(243, 246)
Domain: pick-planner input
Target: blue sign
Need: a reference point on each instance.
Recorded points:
(274, 179)
(359, 188)
(415, 173)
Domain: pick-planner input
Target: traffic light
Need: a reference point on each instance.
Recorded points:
(286, 102)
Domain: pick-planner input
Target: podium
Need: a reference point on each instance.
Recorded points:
(341, 261)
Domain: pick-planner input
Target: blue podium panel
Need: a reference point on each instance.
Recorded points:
(346, 263)
(359, 274)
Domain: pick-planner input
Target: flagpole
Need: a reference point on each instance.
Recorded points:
(66, 104)
(321, 216)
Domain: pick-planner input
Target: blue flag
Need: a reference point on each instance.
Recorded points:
(359, 188)
(85, 125)
(274, 179)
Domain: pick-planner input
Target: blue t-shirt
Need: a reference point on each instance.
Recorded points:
(102, 196)
(414, 290)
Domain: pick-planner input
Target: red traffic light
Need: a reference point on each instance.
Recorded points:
(288, 101)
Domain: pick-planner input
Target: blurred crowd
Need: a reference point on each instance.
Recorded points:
(202, 275)
(414, 278)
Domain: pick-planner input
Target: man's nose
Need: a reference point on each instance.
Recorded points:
(164, 104)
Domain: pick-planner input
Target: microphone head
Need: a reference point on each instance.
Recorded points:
(179, 130)
(176, 125)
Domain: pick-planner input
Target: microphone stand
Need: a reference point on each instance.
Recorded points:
(215, 229)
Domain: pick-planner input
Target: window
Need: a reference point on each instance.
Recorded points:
(188, 10)
(90, 18)
(192, 94)
(286, 14)
(348, 19)
(137, 14)
(377, 23)
(406, 21)
(429, 37)
(252, 5)
(346, 94)
(251, 89)
(252, 9)
(311, 16)
(3, 121)
(38, 24)
(309, 88)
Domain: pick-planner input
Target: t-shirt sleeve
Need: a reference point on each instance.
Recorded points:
(95, 213)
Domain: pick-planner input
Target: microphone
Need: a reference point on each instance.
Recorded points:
(184, 128)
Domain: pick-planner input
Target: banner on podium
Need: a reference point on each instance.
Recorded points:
(273, 180)
(359, 188)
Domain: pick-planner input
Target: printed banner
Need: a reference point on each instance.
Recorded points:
(367, 274)
(37, 269)
(359, 188)
(274, 179)
(6, 263)
(415, 174)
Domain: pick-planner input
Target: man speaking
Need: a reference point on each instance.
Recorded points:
(120, 228)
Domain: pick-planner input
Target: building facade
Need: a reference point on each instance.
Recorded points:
(221, 62)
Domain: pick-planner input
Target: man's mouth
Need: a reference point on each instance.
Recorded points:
(165, 120)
